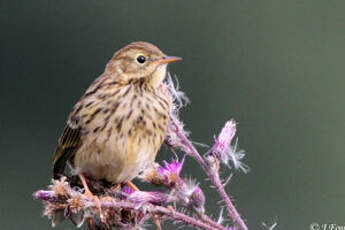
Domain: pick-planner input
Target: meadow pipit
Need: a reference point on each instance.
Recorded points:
(117, 127)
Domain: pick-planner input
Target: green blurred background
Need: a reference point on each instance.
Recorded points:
(275, 66)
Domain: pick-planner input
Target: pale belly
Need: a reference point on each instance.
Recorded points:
(117, 159)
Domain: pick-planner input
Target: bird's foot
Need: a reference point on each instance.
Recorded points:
(88, 193)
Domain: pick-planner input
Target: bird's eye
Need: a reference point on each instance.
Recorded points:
(141, 59)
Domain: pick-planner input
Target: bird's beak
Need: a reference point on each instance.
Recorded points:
(168, 59)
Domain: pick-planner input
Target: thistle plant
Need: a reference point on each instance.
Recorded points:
(180, 199)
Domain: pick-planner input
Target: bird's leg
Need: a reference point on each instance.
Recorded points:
(89, 193)
(157, 223)
(155, 217)
(86, 187)
(132, 186)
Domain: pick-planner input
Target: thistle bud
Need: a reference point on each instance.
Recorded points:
(197, 200)
(141, 197)
(222, 142)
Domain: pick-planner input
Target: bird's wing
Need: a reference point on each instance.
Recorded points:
(67, 146)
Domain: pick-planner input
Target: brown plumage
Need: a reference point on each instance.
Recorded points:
(119, 124)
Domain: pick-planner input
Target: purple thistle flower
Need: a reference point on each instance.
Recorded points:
(223, 150)
(174, 167)
(167, 175)
(222, 143)
(171, 171)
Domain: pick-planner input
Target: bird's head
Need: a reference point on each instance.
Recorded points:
(140, 60)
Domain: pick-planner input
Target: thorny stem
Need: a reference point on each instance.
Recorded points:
(205, 223)
(179, 216)
(211, 174)
(172, 214)
(208, 220)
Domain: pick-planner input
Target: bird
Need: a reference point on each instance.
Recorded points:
(117, 127)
